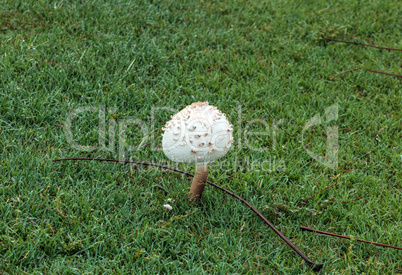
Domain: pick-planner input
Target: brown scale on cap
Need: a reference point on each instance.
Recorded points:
(199, 104)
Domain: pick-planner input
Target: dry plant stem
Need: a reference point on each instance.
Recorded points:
(345, 237)
(371, 71)
(351, 35)
(308, 198)
(199, 181)
(344, 72)
(166, 58)
(314, 266)
(216, 66)
(359, 198)
(366, 45)
(321, 11)
(377, 72)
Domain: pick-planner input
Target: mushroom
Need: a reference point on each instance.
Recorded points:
(199, 134)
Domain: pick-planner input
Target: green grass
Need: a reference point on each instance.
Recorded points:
(91, 217)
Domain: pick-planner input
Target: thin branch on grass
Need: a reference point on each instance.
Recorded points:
(25, 36)
(345, 237)
(315, 266)
(30, 219)
(56, 63)
(351, 35)
(10, 13)
(225, 68)
(230, 24)
(358, 198)
(35, 24)
(308, 198)
(361, 44)
(58, 212)
(321, 11)
(166, 58)
(24, 24)
(62, 64)
(216, 66)
(371, 71)
(152, 25)
(201, 8)
(376, 72)
(355, 69)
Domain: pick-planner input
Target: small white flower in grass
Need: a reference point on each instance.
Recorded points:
(168, 206)
(169, 199)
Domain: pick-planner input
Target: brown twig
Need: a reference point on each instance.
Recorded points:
(358, 198)
(23, 37)
(225, 68)
(23, 24)
(321, 11)
(59, 125)
(355, 69)
(345, 237)
(10, 13)
(371, 71)
(361, 44)
(351, 35)
(230, 24)
(308, 198)
(34, 24)
(60, 213)
(42, 24)
(30, 219)
(62, 64)
(315, 266)
(162, 27)
(216, 66)
(166, 58)
(376, 72)
(200, 8)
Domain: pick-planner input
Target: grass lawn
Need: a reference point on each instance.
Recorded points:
(126, 67)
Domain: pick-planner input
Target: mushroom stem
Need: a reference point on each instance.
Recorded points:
(199, 181)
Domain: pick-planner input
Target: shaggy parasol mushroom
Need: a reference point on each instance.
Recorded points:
(198, 134)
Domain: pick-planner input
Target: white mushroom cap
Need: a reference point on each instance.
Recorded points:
(200, 133)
